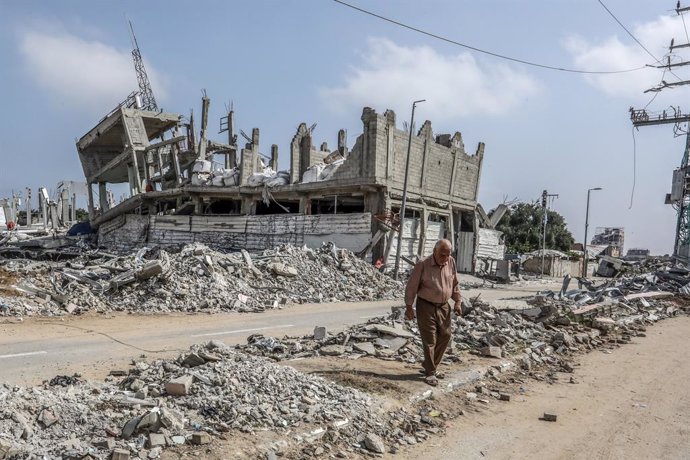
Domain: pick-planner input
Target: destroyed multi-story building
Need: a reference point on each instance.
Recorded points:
(185, 188)
(611, 237)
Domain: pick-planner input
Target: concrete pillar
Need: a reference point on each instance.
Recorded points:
(28, 207)
(422, 232)
(274, 157)
(103, 197)
(175, 163)
(130, 177)
(305, 205)
(135, 173)
(231, 157)
(342, 142)
(73, 208)
(43, 201)
(54, 217)
(65, 202)
(89, 192)
(159, 160)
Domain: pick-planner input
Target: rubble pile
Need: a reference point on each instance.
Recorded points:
(195, 279)
(205, 393)
(557, 326)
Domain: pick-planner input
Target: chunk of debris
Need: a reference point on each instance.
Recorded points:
(549, 417)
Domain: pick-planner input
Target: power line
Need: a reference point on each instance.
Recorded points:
(628, 32)
(633, 37)
(501, 56)
(682, 16)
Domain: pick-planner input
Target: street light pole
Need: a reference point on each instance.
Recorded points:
(404, 196)
(584, 246)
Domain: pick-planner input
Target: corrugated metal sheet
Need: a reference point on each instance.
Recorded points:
(489, 244)
(465, 251)
(410, 239)
(349, 231)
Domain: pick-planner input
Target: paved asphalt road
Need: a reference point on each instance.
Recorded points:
(40, 348)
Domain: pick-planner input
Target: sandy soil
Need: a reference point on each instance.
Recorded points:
(633, 403)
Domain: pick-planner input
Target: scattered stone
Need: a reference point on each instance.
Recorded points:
(365, 347)
(200, 438)
(374, 443)
(319, 333)
(493, 352)
(193, 360)
(504, 397)
(155, 440)
(179, 386)
(549, 417)
(47, 418)
(119, 454)
(332, 350)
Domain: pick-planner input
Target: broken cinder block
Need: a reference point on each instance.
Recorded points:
(179, 386)
(119, 454)
(201, 438)
(156, 440)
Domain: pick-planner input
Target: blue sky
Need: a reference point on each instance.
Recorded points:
(64, 64)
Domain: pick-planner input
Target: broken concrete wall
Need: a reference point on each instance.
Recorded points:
(124, 232)
(252, 232)
(554, 266)
(302, 153)
(439, 166)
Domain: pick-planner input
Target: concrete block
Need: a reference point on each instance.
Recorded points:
(493, 352)
(155, 440)
(201, 438)
(179, 386)
(107, 443)
(319, 333)
(504, 397)
(119, 454)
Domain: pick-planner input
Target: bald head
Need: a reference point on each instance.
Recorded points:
(444, 243)
(442, 250)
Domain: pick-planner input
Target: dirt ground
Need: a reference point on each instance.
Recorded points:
(621, 402)
(633, 402)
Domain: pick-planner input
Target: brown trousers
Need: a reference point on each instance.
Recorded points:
(434, 327)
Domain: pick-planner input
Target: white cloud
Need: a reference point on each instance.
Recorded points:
(392, 76)
(613, 54)
(82, 74)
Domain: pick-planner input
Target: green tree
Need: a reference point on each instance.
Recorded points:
(522, 228)
(82, 214)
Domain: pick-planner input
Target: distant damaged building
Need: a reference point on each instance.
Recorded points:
(185, 188)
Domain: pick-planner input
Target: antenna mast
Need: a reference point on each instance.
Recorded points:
(148, 101)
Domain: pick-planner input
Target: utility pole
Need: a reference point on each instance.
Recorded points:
(545, 207)
(679, 197)
(401, 219)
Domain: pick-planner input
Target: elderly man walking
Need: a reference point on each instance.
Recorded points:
(434, 280)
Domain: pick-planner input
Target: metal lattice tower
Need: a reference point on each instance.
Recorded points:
(679, 197)
(148, 101)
